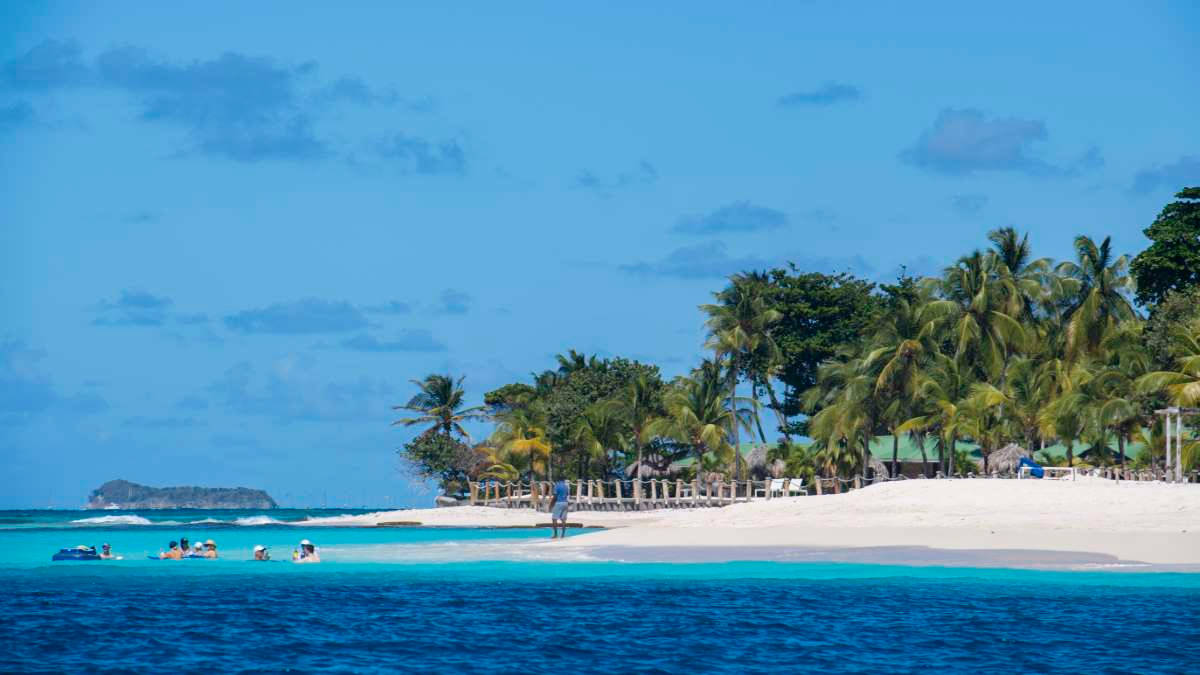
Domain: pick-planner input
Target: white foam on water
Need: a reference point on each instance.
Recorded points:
(117, 520)
(207, 521)
(259, 520)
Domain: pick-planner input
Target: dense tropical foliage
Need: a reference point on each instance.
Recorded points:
(812, 369)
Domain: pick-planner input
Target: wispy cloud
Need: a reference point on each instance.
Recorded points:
(712, 260)
(134, 308)
(699, 261)
(968, 204)
(393, 307)
(15, 116)
(736, 217)
(422, 156)
(642, 174)
(289, 392)
(164, 423)
(235, 106)
(453, 301)
(303, 317)
(1183, 172)
(26, 391)
(966, 141)
(827, 94)
(414, 340)
(53, 64)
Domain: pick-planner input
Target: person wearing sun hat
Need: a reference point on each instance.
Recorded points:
(261, 553)
(308, 553)
(210, 549)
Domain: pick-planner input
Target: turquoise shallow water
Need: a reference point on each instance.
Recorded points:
(437, 600)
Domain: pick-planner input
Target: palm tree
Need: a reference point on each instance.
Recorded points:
(904, 342)
(639, 405)
(944, 386)
(1182, 385)
(521, 437)
(1018, 268)
(982, 302)
(600, 429)
(574, 361)
(739, 327)
(696, 415)
(1103, 284)
(440, 404)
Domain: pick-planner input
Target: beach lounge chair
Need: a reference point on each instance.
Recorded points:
(796, 486)
(775, 487)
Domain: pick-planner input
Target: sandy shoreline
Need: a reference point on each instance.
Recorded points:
(1089, 522)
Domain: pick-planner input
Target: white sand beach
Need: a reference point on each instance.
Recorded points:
(1035, 521)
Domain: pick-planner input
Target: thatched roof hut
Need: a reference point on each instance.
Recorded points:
(1006, 459)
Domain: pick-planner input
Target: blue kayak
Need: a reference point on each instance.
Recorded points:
(77, 553)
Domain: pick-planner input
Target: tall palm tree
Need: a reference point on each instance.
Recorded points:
(1102, 298)
(439, 403)
(903, 345)
(639, 405)
(739, 327)
(982, 302)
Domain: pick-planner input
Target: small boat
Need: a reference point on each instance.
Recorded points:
(77, 553)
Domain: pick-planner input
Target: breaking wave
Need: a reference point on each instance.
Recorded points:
(117, 520)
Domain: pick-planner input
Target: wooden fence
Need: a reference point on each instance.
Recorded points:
(624, 495)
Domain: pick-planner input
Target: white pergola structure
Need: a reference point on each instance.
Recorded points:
(1174, 461)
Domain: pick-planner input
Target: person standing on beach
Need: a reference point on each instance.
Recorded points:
(559, 505)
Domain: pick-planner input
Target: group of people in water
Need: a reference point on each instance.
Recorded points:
(179, 550)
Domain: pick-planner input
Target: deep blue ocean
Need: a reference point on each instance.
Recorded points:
(452, 600)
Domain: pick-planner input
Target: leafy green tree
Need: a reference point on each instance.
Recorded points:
(819, 314)
(439, 403)
(437, 456)
(1172, 261)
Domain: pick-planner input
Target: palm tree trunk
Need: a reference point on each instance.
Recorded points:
(1071, 452)
(737, 436)
(757, 419)
(637, 443)
(924, 457)
(895, 453)
(1121, 445)
(953, 445)
(775, 405)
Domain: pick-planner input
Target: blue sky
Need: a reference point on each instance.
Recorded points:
(230, 234)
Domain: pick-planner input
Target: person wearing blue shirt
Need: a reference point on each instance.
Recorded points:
(559, 505)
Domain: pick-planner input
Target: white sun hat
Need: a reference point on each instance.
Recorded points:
(260, 547)
(305, 542)
(198, 545)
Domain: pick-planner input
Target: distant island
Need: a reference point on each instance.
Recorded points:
(121, 494)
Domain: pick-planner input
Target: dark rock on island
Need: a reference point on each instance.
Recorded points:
(121, 494)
